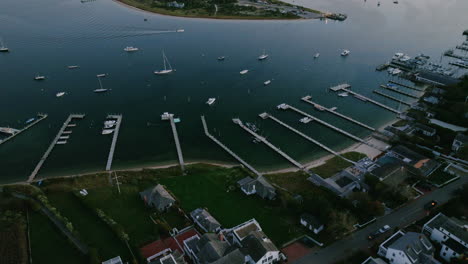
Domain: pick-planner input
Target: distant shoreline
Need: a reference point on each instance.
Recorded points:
(200, 16)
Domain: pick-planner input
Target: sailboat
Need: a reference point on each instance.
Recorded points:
(166, 70)
(3, 48)
(263, 56)
(100, 90)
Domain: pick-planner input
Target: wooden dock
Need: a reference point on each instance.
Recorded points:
(407, 86)
(264, 140)
(267, 115)
(392, 98)
(41, 117)
(320, 108)
(366, 99)
(170, 117)
(114, 140)
(52, 145)
(285, 107)
(228, 150)
(399, 91)
(340, 87)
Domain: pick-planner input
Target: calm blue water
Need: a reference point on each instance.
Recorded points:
(46, 36)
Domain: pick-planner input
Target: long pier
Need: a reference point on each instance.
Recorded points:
(391, 97)
(399, 91)
(41, 117)
(459, 65)
(450, 53)
(267, 115)
(228, 150)
(366, 99)
(285, 107)
(52, 145)
(320, 108)
(264, 140)
(170, 117)
(110, 158)
(407, 86)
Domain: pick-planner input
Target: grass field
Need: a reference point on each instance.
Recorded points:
(336, 164)
(93, 231)
(49, 246)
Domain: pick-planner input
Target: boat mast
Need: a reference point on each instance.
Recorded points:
(100, 84)
(164, 60)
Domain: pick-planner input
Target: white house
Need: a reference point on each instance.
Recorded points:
(452, 236)
(409, 248)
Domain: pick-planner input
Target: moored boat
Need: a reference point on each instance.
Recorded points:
(243, 72)
(211, 101)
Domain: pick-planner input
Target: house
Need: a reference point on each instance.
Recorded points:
(158, 197)
(311, 223)
(259, 249)
(205, 220)
(425, 130)
(450, 234)
(211, 249)
(415, 162)
(116, 260)
(407, 248)
(371, 260)
(259, 186)
(459, 142)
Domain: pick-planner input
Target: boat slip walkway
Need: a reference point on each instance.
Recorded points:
(170, 117)
(114, 139)
(19, 131)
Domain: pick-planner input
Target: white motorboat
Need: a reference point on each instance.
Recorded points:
(396, 71)
(305, 120)
(130, 49)
(39, 78)
(3, 47)
(267, 82)
(61, 142)
(110, 122)
(101, 75)
(243, 72)
(180, 30)
(345, 53)
(60, 94)
(343, 94)
(221, 58)
(166, 70)
(211, 101)
(73, 67)
(316, 55)
(398, 55)
(107, 131)
(263, 56)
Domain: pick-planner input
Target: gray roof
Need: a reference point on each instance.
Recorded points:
(414, 245)
(233, 257)
(257, 244)
(116, 260)
(372, 260)
(442, 221)
(211, 248)
(245, 180)
(206, 221)
(423, 127)
(264, 188)
(311, 220)
(157, 197)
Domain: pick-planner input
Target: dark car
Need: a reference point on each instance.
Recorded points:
(379, 232)
(430, 205)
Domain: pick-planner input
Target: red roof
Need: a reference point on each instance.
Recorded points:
(167, 243)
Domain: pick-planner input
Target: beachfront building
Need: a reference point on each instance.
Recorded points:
(158, 197)
(259, 186)
(205, 220)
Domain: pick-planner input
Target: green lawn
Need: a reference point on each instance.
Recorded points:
(49, 246)
(439, 176)
(336, 164)
(213, 189)
(92, 230)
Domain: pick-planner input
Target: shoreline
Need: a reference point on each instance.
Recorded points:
(234, 18)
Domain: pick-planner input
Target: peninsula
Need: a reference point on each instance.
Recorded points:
(226, 9)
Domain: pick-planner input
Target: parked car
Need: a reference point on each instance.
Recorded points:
(384, 229)
(430, 205)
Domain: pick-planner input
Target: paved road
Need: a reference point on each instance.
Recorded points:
(401, 217)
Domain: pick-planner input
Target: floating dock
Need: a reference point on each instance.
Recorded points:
(332, 110)
(407, 86)
(267, 115)
(114, 139)
(399, 91)
(228, 150)
(340, 87)
(52, 145)
(264, 140)
(458, 64)
(170, 117)
(286, 107)
(462, 47)
(19, 131)
(365, 99)
(450, 53)
(392, 98)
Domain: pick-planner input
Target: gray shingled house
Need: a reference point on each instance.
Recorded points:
(157, 197)
(259, 186)
(205, 220)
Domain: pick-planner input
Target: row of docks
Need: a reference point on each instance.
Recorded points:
(392, 98)
(170, 117)
(345, 88)
(15, 132)
(319, 107)
(228, 150)
(407, 86)
(450, 53)
(58, 140)
(396, 90)
(110, 158)
(313, 118)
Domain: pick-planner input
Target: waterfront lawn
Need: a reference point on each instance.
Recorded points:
(92, 230)
(48, 245)
(215, 190)
(336, 164)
